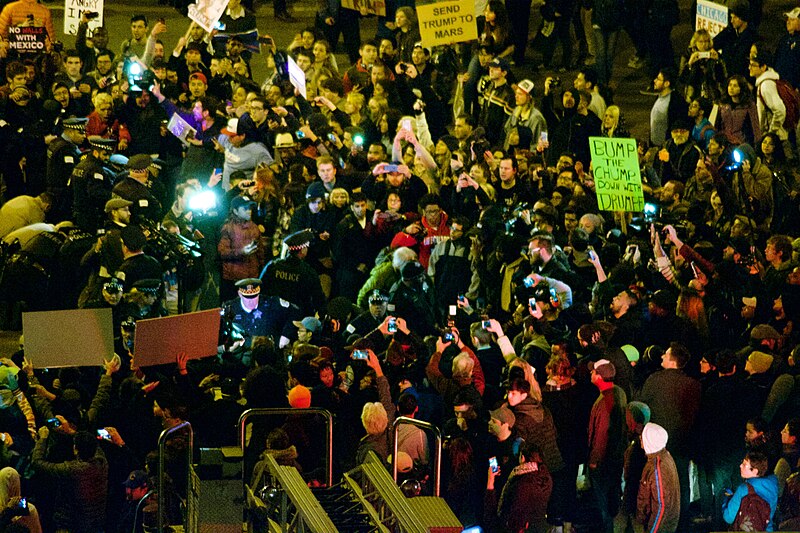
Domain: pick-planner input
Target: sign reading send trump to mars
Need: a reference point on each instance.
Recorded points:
(447, 22)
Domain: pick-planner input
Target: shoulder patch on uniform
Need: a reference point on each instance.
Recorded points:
(143, 202)
(99, 176)
(350, 329)
(283, 302)
(390, 307)
(69, 159)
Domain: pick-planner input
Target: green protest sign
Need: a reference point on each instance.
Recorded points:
(618, 182)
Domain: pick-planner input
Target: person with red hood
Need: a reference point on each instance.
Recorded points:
(434, 223)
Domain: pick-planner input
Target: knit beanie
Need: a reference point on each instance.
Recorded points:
(654, 438)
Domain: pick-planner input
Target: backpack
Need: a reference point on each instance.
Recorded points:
(753, 514)
(791, 100)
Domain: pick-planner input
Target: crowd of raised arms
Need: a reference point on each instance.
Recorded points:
(416, 234)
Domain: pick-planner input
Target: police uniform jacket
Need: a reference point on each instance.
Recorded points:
(62, 157)
(294, 280)
(145, 206)
(91, 186)
(272, 317)
(138, 267)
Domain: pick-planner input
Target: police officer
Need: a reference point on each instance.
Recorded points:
(63, 154)
(371, 319)
(137, 264)
(135, 187)
(143, 300)
(92, 184)
(413, 298)
(292, 279)
(260, 316)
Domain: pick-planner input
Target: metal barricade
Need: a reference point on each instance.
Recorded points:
(284, 411)
(437, 462)
(162, 443)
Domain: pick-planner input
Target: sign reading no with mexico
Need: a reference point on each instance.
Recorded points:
(617, 179)
(447, 22)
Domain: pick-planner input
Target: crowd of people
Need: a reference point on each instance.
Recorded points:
(416, 235)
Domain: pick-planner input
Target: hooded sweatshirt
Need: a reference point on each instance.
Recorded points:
(771, 109)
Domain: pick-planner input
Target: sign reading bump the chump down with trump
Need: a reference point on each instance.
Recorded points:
(447, 22)
(617, 178)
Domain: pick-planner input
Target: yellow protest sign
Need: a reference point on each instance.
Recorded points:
(447, 22)
(617, 179)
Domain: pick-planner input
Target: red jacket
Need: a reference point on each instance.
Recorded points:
(236, 234)
(432, 237)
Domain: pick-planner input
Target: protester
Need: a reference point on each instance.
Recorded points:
(459, 242)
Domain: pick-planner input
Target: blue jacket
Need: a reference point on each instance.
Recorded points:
(766, 487)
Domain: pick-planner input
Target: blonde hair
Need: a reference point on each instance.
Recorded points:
(102, 98)
(536, 391)
(700, 33)
(463, 365)
(374, 418)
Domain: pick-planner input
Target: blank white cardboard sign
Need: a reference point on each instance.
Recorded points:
(76, 337)
(158, 341)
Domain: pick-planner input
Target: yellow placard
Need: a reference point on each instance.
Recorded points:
(447, 22)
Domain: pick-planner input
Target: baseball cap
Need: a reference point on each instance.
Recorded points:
(504, 415)
(310, 323)
(749, 301)
(232, 128)
(199, 76)
(501, 62)
(604, 368)
(793, 14)
(241, 201)
(316, 190)
(136, 479)
(525, 86)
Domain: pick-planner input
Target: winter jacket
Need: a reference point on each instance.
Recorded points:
(534, 423)
(766, 487)
(659, 502)
(739, 123)
(607, 429)
(236, 234)
(659, 392)
(523, 502)
(771, 109)
(80, 501)
(16, 13)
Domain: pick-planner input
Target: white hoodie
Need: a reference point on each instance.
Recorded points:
(771, 109)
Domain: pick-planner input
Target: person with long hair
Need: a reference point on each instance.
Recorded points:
(738, 116)
(10, 495)
(265, 192)
(463, 491)
(787, 215)
(406, 32)
(702, 70)
(613, 123)
(692, 308)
